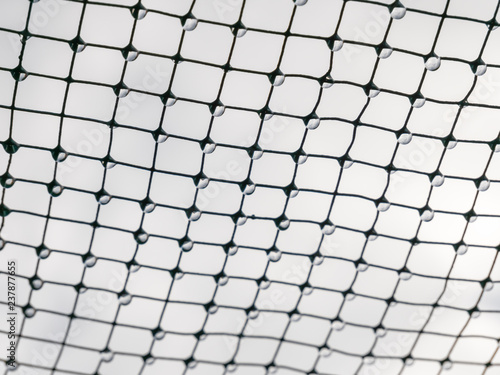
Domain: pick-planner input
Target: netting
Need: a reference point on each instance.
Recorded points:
(250, 186)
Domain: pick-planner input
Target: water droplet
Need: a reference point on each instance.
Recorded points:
(300, 2)
(336, 44)
(253, 314)
(149, 207)
(264, 284)
(383, 206)
(37, 283)
(398, 13)
(380, 332)
(106, 356)
(372, 93)
(213, 309)
(241, 220)
(484, 185)
(159, 335)
(218, 111)
(405, 138)
(231, 368)
(318, 260)
(160, 137)
(295, 317)
(350, 297)
(278, 79)
(134, 268)
(104, 199)
(257, 154)
(55, 189)
(362, 267)
(433, 63)
(325, 352)
(284, 224)
(385, 53)
(192, 364)
(337, 325)
(274, 255)
(194, 216)
(301, 159)
(138, 12)
(202, 183)
(347, 164)
(233, 250)
(249, 189)
(209, 148)
(368, 360)
(179, 275)
(427, 215)
(328, 229)
(372, 237)
(409, 362)
(131, 55)
(307, 291)
(125, 299)
(44, 254)
(475, 315)
(451, 145)
(480, 70)
(438, 180)
(462, 249)
(29, 312)
(313, 123)
(405, 276)
(187, 245)
(447, 365)
(90, 261)
(488, 286)
(141, 237)
(190, 24)
(223, 280)
(418, 103)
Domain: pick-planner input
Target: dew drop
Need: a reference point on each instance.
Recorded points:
(484, 185)
(427, 215)
(37, 283)
(274, 255)
(318, 260)
(125, 299)
(190, 24)
(405, 138)
(223, 281)
(405, 276)
(249, 189)
(313, 123)
(209, 148)
(29, 312)
(328, 229)
(462, 249)
(90, 261)
(398, 13)
(337, 325)
(362, 267)
(253, 314)
(106, 356)
(438, 180)
(383, 206)
(433, 63)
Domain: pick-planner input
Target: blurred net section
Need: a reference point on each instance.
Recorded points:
(251, 187)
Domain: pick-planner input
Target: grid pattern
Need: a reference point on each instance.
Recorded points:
(252, 187)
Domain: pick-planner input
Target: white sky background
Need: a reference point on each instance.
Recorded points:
(351, 228)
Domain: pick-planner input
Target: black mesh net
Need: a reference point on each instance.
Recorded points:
(251, 186)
